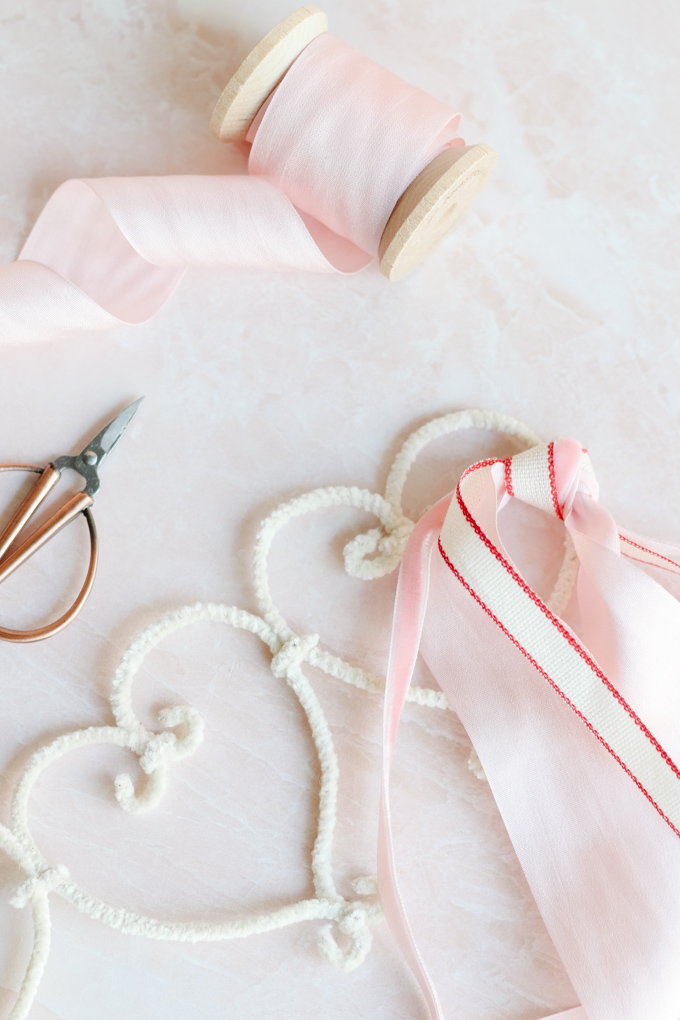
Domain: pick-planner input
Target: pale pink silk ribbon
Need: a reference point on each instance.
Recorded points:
(577, 727)
(339, 142)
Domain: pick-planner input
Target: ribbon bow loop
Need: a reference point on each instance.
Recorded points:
(548, 476)
(576, 724)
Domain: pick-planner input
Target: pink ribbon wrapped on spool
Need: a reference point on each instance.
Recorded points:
(576, 724)
(347, 164)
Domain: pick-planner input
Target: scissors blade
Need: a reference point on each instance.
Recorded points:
(89, 460)
(104, 442)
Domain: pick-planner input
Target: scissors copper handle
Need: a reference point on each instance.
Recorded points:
(68, 511)
(86, 464)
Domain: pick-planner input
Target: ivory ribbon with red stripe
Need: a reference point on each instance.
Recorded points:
(577, 727)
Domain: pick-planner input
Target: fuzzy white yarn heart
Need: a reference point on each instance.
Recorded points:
(369, 555)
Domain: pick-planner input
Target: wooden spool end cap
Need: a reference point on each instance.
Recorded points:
(262, 70)
(431, 205)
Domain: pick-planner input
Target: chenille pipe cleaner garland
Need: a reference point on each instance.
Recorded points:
(157, 751)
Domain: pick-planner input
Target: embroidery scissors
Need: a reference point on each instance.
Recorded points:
(86, 464)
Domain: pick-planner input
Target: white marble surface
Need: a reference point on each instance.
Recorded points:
(556, 300)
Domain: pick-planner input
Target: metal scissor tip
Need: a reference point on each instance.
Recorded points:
(89, 460)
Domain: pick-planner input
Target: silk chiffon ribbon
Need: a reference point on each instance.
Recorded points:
(339, 142)
(577, 728)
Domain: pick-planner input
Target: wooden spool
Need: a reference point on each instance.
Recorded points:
(431, 205)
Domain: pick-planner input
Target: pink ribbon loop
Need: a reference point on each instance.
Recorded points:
(576, 724)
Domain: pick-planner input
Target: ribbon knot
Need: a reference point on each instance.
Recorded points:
(548, 476)
(46, 880)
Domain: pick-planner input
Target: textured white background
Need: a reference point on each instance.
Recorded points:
(556, 300)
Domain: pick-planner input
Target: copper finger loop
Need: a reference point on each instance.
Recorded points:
(78, 505)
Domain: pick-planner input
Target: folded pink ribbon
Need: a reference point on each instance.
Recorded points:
(577, 727)
(340, 140)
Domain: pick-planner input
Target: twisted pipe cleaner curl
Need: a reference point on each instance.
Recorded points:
(182, 730)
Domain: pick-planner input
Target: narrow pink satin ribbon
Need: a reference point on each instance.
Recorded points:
(581, 798)
(340, 141)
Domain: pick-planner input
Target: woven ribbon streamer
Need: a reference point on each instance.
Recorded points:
(577, 728)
